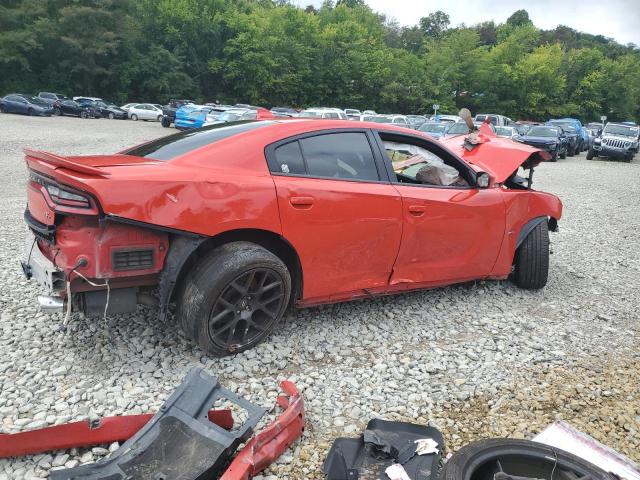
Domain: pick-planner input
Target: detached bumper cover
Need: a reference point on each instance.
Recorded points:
(270, 443)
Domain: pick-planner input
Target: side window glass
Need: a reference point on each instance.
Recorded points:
(415, 164)
(289, 159)
(340, 155)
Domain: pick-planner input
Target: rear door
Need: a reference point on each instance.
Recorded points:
(337, 209)
(450, 233)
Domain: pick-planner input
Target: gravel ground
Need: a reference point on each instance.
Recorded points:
(477, 360)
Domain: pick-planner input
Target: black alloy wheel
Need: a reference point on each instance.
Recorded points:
(248, 307)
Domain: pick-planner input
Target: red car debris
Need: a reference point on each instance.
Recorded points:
(234, 223)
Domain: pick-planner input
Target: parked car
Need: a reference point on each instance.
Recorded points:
(506, 132)
(169, 111)
(616, 141)
(416, 120)
(284, 112)
(398, 120)
(238, 115)
(494, 119)
(546, 137)
(127, 106)
(196, 117)
(582, 142)
(369, 112)
(51, 98)
(352, 111)
(27, 104)
(330, 113)
(106, 110)
(572, 135)
(73, 108)
(456, 129)
(145, 111)
(446, 118)
(435, 129)
(236, 223)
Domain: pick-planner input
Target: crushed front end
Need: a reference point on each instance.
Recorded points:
(77, 254)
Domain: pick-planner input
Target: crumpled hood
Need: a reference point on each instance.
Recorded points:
(497, 156)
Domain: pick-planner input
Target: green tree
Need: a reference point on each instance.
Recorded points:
(435, 24)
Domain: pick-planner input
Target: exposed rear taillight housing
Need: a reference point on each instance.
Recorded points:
(64, 198)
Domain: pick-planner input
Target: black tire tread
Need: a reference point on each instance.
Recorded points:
(532, 259)
(456, 467)
(199, 291)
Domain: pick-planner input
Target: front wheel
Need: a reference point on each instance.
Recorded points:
(563, 155)
(591, 153)
(234, 298)
(111, 116)
(57, 112)
(134, 117)
(532, 259)
(166, 122)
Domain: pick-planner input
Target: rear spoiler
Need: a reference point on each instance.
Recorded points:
(61, 162)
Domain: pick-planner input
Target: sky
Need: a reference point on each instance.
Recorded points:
(618, 19)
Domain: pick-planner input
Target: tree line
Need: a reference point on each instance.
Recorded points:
(270, 52)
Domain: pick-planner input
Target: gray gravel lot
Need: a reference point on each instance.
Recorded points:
(476, 360)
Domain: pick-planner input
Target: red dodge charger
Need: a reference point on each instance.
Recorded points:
(229, 225)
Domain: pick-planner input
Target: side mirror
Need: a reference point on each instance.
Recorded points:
(483, 179)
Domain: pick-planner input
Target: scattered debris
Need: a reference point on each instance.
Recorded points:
(572, 440)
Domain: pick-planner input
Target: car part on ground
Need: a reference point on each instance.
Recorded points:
(562, 435)
(87, 433)
(179, 442)
(511, 459)
(383, 444)
(268, 444)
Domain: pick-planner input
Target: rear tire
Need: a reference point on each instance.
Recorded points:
(505, 457)
(224, 306)
(532, 259)
(134, 117)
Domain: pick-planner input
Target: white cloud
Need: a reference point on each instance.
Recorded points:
(618, 19)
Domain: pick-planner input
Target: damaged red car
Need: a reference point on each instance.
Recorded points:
(230, 225)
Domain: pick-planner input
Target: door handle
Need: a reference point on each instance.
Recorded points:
(301, 202)
(417, 210)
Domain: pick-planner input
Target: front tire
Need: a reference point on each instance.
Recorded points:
(134, 117)
(111, 116)
(532, 259)
(591, 153)
(571, 151)
(563, 155)
(57, 112)
(234, 298)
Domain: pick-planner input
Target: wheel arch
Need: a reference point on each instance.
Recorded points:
(190, 250)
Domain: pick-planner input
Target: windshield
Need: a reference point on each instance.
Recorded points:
(433, 127)
(459, 128)
(503, 131)
(621, 130)
(569, 128)
(37, 101)
(542, 132)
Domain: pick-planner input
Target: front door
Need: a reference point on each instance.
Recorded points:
(342, 219)
(452, 230)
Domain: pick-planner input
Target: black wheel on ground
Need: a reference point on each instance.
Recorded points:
(234, 298)
(111, 116)
(532, 259)
(30, 112)
(166, 122)
(505, 458)
(563, 154)
(57, 112)
(591, 153)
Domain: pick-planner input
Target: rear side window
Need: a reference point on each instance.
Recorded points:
(339, 155)
(289, 159)
(172, 146)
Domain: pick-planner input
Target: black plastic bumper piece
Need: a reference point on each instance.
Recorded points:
(383, 444)
(40, 230)
(179, 442)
